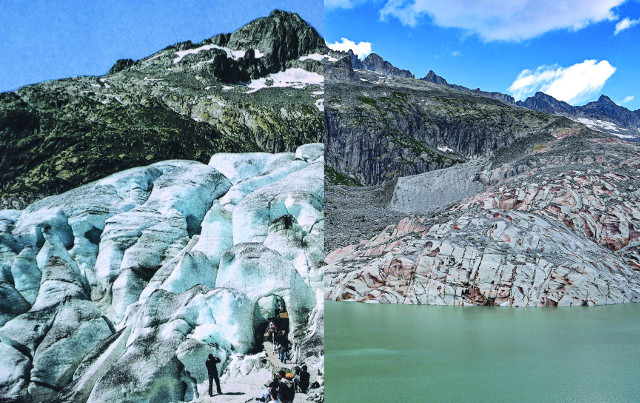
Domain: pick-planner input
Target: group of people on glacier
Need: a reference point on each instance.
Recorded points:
(279, 340)
(282, 389)
(284, 386)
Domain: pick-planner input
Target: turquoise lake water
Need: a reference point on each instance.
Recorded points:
(417, 353)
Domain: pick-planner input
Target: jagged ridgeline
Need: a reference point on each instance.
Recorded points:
(251, 90)
(382, 124)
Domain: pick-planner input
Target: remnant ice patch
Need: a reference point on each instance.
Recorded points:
(258, 53)
(445, 149)
(227, 88)
(295, 78)
(317, 57)
(607, 127)
(234, 54)
(320, 104)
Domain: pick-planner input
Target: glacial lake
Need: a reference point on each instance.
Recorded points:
(417, 353)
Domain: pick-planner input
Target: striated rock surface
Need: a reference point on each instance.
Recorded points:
(119, 289)
(428, 192)
(552, 223)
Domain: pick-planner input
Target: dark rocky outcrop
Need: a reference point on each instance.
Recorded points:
(282, 36)
(434, 78)
(120, 65)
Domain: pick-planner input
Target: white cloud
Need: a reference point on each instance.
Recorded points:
(570, 84)
(456, 53)
(330, 4)
(362, 49)
(626, 99)
(625, 24)
(507, 20)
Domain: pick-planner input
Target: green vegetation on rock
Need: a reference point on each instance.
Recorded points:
(339, 179)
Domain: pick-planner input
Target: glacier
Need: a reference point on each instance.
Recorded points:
(119, 289)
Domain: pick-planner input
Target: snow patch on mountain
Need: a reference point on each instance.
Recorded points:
(234, 54)
(608, 127)
(317, 57)
(295, 78)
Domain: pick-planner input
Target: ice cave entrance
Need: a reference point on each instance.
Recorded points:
(273, 309)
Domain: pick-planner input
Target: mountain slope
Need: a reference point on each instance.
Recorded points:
(379, 127)
(603, 115)
(252, 90)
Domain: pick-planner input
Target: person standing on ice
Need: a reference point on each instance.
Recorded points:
(273, 331)
(213, 373)
(284, 346)
(304, 379)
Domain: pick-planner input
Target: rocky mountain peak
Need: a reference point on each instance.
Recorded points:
(121, 64)
(374, 62)
(605, 99)
(263, 46)
(546, 103)
(432, 77)
(283, 34)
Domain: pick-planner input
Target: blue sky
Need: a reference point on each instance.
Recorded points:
(49, 39)
(570, 49)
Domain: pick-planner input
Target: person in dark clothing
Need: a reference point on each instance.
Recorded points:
(304, 379)
(296, 378)
(286, 389)
(284, 346)
(213, 373)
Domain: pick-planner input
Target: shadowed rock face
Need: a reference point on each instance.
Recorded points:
(119, 289)
(553, 223)
(187, 101)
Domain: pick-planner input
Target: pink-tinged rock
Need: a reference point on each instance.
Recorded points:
(339, 254)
